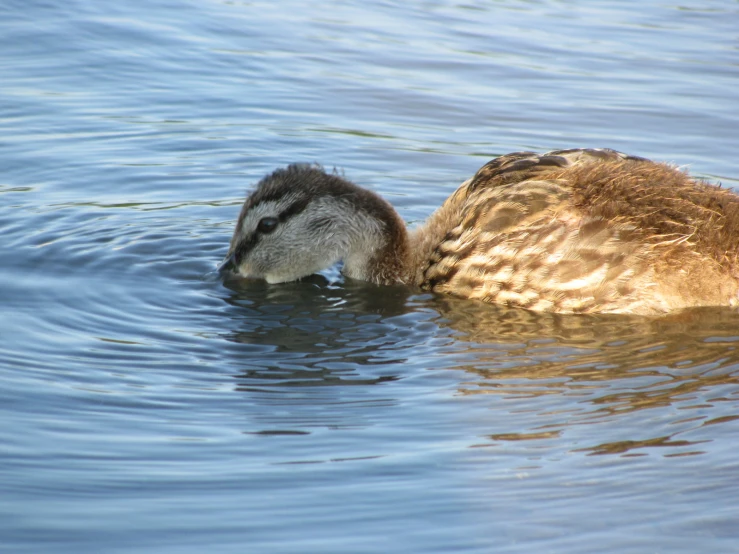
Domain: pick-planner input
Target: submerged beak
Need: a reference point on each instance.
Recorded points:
(229, 262)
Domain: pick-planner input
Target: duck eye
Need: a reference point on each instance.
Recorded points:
(267, 224)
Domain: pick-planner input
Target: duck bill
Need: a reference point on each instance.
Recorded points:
(228, 263)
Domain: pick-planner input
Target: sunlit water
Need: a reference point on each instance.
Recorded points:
(148, 406)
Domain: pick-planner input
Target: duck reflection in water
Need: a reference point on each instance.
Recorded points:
(601, 369)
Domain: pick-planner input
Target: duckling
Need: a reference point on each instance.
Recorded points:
(569, 231)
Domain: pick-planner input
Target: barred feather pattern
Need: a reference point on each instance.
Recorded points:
(527, 250)
(541, 233)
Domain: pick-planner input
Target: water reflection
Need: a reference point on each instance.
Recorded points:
(319, 333)
(605, 369)
(563, 371)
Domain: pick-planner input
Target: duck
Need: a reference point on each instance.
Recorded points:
(582, 230)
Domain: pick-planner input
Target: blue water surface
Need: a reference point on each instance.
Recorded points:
(149, 406)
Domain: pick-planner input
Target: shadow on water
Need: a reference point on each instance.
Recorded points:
(566, 370)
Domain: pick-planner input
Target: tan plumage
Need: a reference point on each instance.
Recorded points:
(571, 231)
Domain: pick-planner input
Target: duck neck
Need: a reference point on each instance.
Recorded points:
(378, 249)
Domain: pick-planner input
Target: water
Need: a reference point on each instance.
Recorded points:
(147, 406)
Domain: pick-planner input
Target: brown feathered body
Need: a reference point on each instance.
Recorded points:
(571, 231)
(583, 231)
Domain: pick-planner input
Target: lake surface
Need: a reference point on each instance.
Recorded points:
(149, 406)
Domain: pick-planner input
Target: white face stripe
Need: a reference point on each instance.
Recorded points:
(263, 209)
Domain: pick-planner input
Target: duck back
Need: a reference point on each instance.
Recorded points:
(585, 230)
